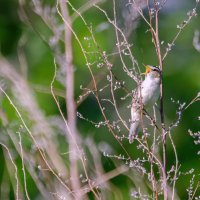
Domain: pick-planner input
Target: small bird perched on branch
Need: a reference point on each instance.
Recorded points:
(144, 96)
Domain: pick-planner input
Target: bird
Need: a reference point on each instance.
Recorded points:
(144, 96)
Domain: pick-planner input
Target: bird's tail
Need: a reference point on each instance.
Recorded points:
(134, 129)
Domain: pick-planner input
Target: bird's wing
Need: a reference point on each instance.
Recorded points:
(135, 114)
(136, 96)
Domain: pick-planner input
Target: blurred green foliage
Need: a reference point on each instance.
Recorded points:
(181, 75)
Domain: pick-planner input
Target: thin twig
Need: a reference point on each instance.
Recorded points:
(96, 88)
(16, 170)
(195, 190)
(23, 167)
(34, 140)
(176, 166)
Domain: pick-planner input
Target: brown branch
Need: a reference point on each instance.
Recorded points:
(161, 105)
(70, 103)
(68, 25)
(155, 37)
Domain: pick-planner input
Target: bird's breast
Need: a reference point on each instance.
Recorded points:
(150, 91)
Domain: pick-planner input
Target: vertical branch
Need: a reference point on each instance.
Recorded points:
(157, 42)
(155, 37)
(70, 103)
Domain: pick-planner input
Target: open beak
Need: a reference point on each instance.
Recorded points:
(148, 69)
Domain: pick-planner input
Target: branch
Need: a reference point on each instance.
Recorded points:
(70, 103)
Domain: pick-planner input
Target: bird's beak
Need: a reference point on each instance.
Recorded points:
(148, 69)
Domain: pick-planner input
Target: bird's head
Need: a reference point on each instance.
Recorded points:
(152, 71)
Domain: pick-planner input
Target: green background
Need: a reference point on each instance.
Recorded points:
(181, 76)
